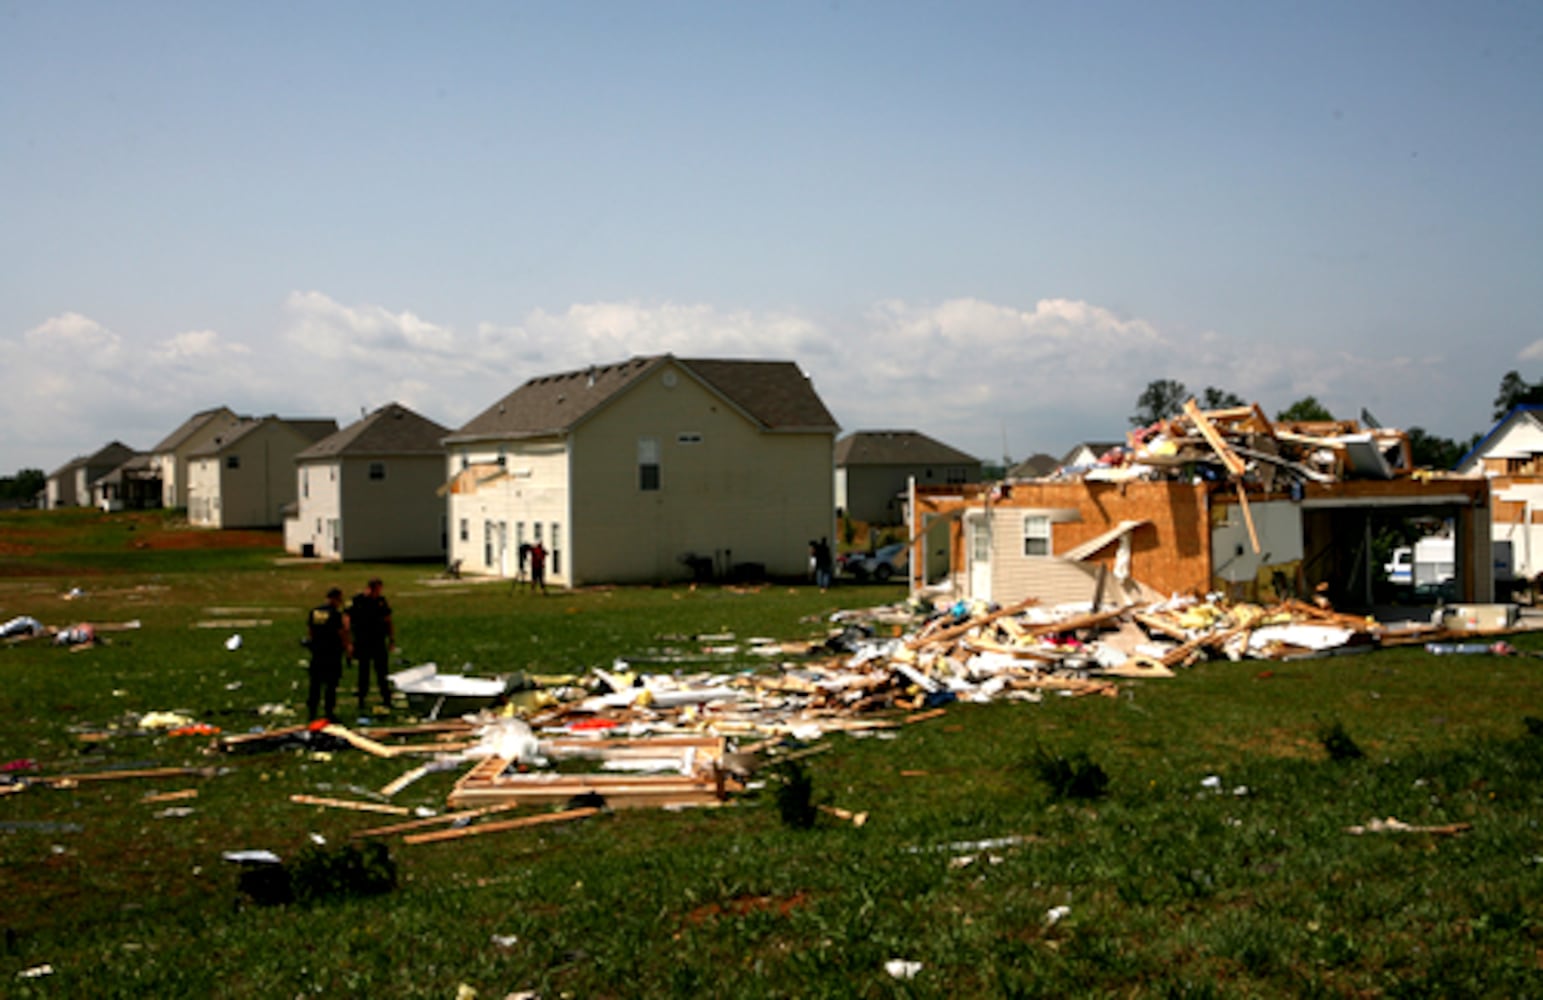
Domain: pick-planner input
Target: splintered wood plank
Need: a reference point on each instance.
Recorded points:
(565, 816)
(440, 820)
(378, 807)
(1234, 464)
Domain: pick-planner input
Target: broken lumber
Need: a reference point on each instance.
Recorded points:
(500, 826)
(954, 631)
(1234, 464)
(356, 806)
(360, 741)
(428, 821)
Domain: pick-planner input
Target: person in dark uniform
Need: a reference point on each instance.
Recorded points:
(327, 636)
(374, 635)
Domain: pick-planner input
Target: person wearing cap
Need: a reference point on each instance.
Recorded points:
(328, 638)
(374, 635)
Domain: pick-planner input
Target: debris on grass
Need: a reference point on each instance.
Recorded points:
(1394, 825)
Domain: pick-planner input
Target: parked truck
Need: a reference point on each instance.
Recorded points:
(1432, 562)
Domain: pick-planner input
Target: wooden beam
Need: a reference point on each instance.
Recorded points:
(1234, 464)
(499, 827)
(440, 820)
(66, 780)
(317, 800)
(1248, 516)
(361, 742)
(954, 631)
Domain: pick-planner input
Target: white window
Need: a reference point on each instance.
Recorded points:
(305, 482)
(465, 530)
(557, 552)
(1036, 535)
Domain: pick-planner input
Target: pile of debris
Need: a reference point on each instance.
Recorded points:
(1229, 444)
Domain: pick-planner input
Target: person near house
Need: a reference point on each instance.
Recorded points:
(538, 566)
(524, 563)
(328, 638)
(374, 635)
(820, 555)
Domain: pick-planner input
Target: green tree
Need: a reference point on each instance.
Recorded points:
(1306, 408)
(1160, 400)
(1220, 399)
(1516, 391)
(1430, 451)
(25, 485)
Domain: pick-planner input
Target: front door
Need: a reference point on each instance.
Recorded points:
(978, 545)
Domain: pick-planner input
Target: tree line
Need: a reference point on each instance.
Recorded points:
(1164, 398)
(23, 486)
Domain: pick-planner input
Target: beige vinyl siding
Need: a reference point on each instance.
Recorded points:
(394, 517)
(734, 494)
(1050, 578)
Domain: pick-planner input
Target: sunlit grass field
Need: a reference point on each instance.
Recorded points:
(1216, 863)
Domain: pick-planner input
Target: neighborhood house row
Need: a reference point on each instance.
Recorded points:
(660, 468)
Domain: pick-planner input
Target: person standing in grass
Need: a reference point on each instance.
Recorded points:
(328, 638)
(538, 566)
(374, 636)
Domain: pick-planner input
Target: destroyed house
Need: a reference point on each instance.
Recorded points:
(369, 490)
(652, 469)
(1210, 501)
(169, 456)
(873, 467)
(245, 477)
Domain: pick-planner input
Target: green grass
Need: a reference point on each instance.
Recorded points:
(1174, 888)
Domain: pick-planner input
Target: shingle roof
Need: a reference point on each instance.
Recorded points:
(775, 394)
(391, 430)
(311, 428)
(1034, 467)
(189, 427)
(69, 466)
(898, 448)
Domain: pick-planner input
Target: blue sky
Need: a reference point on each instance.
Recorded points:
(990, 222)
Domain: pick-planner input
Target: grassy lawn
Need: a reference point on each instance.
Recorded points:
(1171, 884)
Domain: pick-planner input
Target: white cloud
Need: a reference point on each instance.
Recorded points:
(75, 337)
(325, 328)
(196, 346)
(967, 371)
(1532, 352)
